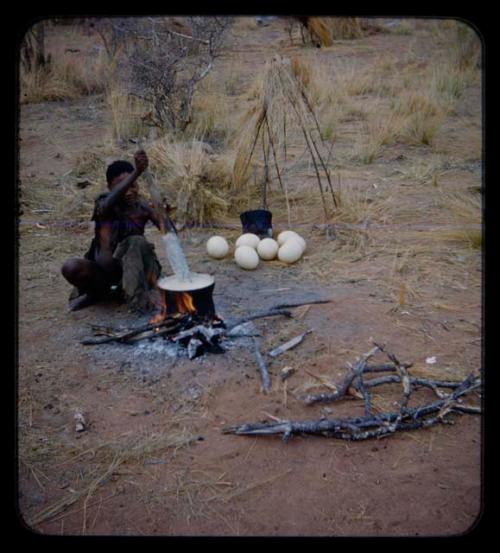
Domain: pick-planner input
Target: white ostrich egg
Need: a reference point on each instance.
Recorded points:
(246, 257)
(302, 242)
(287, 234)
(267, 249)
(291, 251)
(248, 239)
(217, 247)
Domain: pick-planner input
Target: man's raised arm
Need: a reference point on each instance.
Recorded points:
(118, 191)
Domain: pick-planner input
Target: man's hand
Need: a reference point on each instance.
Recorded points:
(141, 161)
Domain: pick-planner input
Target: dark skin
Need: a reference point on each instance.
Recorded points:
(124, 194)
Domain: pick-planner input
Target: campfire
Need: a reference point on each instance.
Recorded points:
(187, 315)
(197, 301)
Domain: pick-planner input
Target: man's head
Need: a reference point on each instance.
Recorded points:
(116, 172)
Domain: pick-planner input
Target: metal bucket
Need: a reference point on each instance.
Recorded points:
(257, 221)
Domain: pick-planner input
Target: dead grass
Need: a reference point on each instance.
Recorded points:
(212, 108)
(378, 131)
(64, 78)
(345, 28)
(465, 211)
(424, 172)
(198, 183)
(128, 115)
(103, 459)
(321, 29)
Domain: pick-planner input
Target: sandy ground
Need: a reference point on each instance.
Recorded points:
(153, 460)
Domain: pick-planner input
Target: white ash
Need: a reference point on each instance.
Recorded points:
(242, 330)
(158, 346)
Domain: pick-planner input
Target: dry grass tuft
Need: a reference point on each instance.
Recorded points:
(199, 182)
(379, 131)
(64, 78)
(465, 212)
(345, 28)
(107, 457)
(466, 50)
(128, 115)
(321, 30)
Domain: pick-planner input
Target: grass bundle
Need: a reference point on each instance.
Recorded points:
(199, 183)
(342, 28)
(320, 29)
(281, 108)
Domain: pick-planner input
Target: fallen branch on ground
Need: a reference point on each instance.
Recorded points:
(299, 304)
(289, 345)
(371, 426)
(264, 372)
(343, 389)
(274, 312)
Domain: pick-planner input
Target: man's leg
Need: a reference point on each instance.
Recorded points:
(141, 270)
(89, 278)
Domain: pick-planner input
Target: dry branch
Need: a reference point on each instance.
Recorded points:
(299, 304)
(289, 345)
(343, 388)
(124, 337)
(366, 427)
(264, 372)
(274, 312)
(171, 326)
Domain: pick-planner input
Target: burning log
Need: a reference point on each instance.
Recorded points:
(369, 426)
(126, 337)
(190, 315)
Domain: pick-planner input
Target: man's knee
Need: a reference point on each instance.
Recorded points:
(71, 269)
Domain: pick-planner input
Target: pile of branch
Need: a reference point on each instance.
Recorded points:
(375, 425)
(283, 102)
(199, 335)
(174, 327)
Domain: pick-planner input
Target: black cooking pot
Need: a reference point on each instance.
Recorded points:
(257, 221)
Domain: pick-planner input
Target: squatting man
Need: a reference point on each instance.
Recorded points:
(120, 262)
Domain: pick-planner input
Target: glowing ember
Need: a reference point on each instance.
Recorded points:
(158, 318)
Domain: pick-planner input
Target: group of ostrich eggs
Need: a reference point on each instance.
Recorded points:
(289, 247)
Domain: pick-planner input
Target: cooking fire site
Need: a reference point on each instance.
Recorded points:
(238, 314)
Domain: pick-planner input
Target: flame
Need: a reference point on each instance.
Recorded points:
(162, 315)
(184, 303)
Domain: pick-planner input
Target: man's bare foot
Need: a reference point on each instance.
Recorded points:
(81, 301)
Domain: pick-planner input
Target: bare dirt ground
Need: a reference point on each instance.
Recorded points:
(153, 460)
